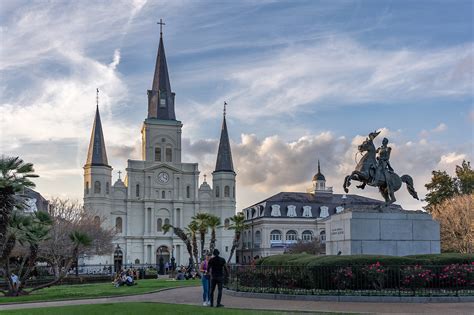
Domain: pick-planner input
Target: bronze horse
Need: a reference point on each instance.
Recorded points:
(368, 172)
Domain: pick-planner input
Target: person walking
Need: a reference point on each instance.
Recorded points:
(205, 280)
(217, 266)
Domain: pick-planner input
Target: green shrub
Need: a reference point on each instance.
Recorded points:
(364, 260)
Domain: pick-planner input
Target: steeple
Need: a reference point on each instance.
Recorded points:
(160, 97)
(224, 155)
(97, 156)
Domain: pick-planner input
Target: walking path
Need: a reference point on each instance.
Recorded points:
(193, 296)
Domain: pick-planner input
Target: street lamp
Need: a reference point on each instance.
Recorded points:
(173, 264)
(162, 265)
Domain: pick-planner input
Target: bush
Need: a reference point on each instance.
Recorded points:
(364, 260)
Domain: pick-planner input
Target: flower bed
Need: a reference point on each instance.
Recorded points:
(371, 279)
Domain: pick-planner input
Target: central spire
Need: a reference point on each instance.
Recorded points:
(160, 97)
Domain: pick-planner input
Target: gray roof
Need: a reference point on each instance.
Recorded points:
(224, 155)
(161, 88)
(97, 156)
(315, 201)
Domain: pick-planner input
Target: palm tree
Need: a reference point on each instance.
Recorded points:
(14, 177)
(183, 236)
(192, 228)
(202, 226)
(238, 225)
(213, 222)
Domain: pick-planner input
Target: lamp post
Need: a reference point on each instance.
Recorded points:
(162, 265)
(173, 264)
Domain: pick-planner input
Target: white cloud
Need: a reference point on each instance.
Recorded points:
(338, 71)
(440, 128)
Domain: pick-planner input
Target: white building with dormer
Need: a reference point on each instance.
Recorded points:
(159, 188)
(274, 224)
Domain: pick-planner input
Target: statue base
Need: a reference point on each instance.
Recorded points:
(379, 230)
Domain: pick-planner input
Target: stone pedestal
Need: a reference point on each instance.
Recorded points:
(390, 231)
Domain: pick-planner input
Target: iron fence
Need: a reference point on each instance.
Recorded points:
(375, 279)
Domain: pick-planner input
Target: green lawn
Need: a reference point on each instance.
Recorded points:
(140, 308)
(81, 291)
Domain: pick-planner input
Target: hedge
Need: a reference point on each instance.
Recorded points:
(363, 260)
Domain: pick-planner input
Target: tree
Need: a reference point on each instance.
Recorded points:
(183, 236)
(465, 178)
(238, 225)
(201, 220)
(442, 186)
(192, 228)
(213, 222)
(69, 215)
(456, 218)
(314, 247)
(14, 178)
(16, 226)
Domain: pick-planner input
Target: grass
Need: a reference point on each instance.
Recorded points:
(96, 290)
(141, 308)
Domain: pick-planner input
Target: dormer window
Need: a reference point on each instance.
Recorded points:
(275, 211)
(291, 211)
(324, 212)
(307, 212)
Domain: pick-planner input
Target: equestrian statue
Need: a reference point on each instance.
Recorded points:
(374, 169)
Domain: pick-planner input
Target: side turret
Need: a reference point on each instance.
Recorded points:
(97, 171)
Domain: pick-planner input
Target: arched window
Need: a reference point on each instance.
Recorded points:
(275, 236)
(158, 154)
(188, 192)
(107, 188)
(137, 190)
(163, 194)
(97, 187)
(322, 236)
(217, 191)
(233, 192)
(291, 236)
(159, 225)
(87, 188)
(307, 236)
(167, 221)
(169, 154)
(97, 220)
(226, 191)
(226, 223)
(118, 225)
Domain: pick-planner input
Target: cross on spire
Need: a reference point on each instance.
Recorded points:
(119, 172)
(205, 176)
(97, 97)
(161, 23)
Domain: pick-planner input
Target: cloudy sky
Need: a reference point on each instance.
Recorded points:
(305, 80)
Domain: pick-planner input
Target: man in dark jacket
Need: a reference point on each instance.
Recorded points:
(217, 266)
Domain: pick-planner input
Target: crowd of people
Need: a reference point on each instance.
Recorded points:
(127, 278)
(212, 271)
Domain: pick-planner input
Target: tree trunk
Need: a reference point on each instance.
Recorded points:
(235, 244)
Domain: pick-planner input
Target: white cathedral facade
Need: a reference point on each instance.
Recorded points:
(159, 188)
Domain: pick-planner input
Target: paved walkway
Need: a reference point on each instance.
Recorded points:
(192, 296)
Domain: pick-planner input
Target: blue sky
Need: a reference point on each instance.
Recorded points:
(304, 80)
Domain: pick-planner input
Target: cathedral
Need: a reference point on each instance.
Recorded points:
(159, 188)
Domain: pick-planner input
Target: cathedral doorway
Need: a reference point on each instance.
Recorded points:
(162, 259)
(118, 258)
